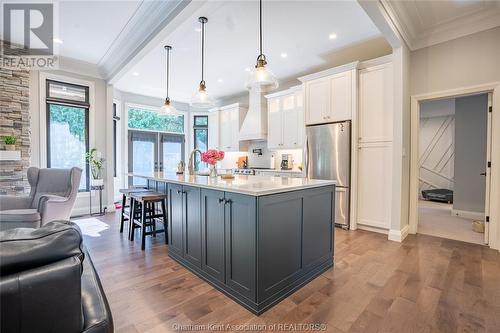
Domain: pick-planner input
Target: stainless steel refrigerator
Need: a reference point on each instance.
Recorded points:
(328, 156)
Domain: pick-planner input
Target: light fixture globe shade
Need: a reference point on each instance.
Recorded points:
(201, 99)
(263, 77)
(167, 108)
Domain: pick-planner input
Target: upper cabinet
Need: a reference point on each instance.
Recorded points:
(329, 95)
(285, 119)
(224, 123)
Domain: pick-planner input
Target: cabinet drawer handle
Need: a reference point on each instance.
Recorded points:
(179, 192)
(221, 200)
(228, 201)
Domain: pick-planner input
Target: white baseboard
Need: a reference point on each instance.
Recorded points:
(372, 229)
(398, 235)
(468, 214)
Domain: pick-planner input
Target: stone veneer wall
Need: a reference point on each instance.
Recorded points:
(15, 120)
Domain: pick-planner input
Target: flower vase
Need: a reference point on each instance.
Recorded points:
(213, 171)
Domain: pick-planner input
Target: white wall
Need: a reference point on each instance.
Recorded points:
(437, 144)
(462, 62)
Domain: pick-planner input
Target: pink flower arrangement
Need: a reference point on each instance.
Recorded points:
(212, 156)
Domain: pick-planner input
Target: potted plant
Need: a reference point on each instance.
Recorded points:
(10, 142)
(211, 157)
(96, 163)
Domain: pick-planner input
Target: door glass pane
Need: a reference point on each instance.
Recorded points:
(67, 138)
(143, 161)
(172, 155)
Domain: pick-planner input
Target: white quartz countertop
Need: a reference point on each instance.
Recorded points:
(250, 185)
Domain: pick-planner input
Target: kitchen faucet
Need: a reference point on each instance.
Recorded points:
(191, 161)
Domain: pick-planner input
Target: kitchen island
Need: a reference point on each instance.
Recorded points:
(257, 239)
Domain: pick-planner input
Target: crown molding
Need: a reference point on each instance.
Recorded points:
(461, 26)
(330, 71)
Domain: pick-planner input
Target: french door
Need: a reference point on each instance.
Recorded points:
(150, 152)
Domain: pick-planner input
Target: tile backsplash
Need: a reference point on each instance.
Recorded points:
(261, 161)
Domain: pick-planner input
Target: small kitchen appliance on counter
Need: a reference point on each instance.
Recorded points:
(286, 162)
(242, 162)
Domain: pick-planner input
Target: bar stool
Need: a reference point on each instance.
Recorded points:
(148, 214)
(125, 215)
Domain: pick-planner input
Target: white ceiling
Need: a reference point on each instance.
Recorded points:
(425, 23)
(89, 28)
(300, 29)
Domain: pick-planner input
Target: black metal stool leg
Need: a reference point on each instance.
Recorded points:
(143, 226)
(122, 219)
(153, 220)
(131, 227)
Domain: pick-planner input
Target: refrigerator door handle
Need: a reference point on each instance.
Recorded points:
(306, 157)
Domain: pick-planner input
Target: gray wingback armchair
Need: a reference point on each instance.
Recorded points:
(53, 194)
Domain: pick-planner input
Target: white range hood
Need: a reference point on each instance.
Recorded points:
(254, 126)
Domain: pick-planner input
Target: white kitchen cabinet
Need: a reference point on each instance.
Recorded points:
(285, 119)
(374, 174)
(274, 123)
(317, 96)
(341, 97)
(329, 96)
(229, 122)
(374, 186)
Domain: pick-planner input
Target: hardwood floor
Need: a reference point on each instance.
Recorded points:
(425, 284)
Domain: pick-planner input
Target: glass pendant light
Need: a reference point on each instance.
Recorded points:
(200, 98)
(167, 107)
(261, 76)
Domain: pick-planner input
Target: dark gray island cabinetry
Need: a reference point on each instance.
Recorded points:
(255, 246)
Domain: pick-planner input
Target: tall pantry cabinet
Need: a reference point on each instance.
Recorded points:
(375, 136)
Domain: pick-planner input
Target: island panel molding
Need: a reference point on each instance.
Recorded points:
(255, 248)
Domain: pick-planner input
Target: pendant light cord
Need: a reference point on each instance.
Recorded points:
(202, 50)
(260, 27)
(168, 68)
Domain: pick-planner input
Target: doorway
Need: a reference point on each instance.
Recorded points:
(150, 152)
(453, 158)
(451, 169)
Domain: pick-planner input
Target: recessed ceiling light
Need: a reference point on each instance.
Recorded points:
(247, 69)
(57, 40)
(219, 80)
(135, 73)
(284, 55)
(332, 36)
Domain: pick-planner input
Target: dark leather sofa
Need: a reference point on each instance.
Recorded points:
(48, 282)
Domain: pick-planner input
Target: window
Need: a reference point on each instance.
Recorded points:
(155, 142)
(149, 120)
(68, 127)
(200, 131)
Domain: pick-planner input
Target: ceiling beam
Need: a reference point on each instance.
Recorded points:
(148, 27)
